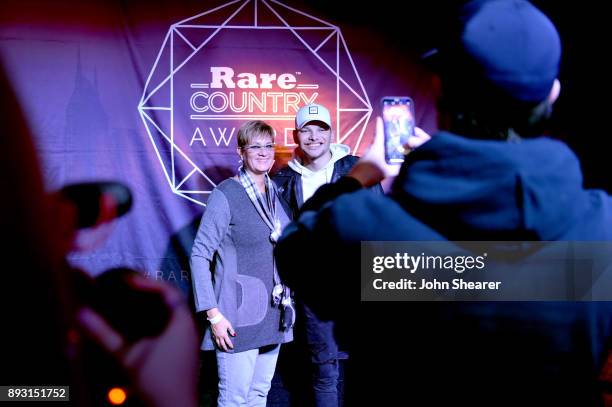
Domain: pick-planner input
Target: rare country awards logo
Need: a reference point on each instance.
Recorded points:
(244, 60)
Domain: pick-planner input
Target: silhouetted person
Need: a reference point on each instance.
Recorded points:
(487, 175)
(45, 324)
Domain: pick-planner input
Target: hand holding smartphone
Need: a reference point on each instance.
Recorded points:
(398, 119)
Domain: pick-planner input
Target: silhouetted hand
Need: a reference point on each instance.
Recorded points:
(162, 369)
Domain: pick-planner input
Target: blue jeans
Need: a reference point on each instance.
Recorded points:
(324, 356)
(246, 377)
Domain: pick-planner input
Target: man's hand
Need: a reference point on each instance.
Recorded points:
(372, 167)
(419, 138)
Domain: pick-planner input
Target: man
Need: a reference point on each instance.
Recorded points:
(317, 161)
(487, 175)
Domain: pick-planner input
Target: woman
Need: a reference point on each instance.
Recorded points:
(234, 275)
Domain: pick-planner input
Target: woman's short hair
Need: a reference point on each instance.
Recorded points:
(254, 129)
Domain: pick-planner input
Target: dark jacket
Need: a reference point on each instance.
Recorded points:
(488, 353)
(289, 184)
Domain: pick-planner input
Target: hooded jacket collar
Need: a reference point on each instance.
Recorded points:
(483, 190)
(338, 151)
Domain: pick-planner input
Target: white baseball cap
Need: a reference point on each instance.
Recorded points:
(312, 112)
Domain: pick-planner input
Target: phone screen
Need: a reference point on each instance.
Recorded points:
(398, 117)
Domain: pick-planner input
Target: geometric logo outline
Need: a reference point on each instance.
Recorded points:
(150, 101)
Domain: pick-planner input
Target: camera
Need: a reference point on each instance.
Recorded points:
(133, 312)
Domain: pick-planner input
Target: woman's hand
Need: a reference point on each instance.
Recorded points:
(221, 332)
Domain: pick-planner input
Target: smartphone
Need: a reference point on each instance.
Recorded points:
(398, 118)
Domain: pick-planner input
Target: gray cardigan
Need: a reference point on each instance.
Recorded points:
(232, 268)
